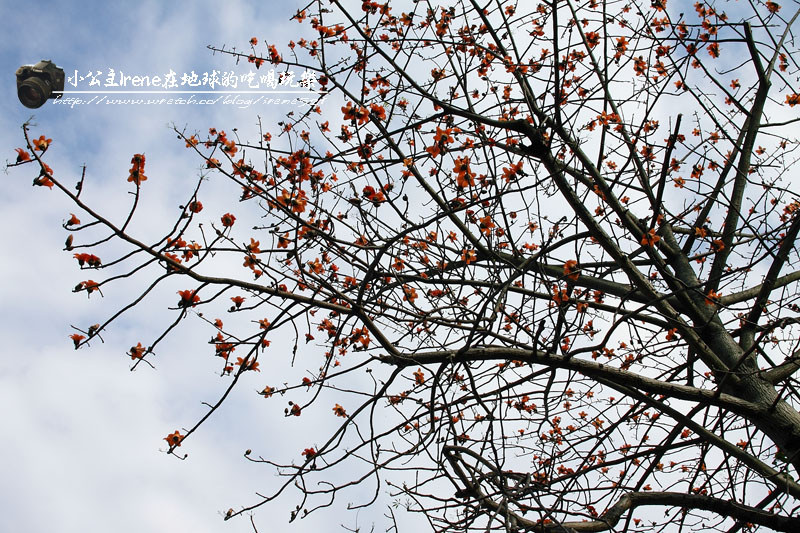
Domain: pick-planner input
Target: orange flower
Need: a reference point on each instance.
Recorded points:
(650, 238)
(296, 201)
(136, 176)
(41, 143)
(90, 286)
(237, 301)
(174, 439)
(712, 297)
(73, 220)
(44, 181)
(188, 298)
(137, 352)
(309, 453)
(90, 259)
(247, 364)
(339, 411)
(621, 47)
(22, 155)
(77, 338)
(359, 114)
(419, 377)
(196, 206)
(410, 294)
(560, 295)
(274, 56)
(486, 225)
(571, 269)
(464, 176)
(253, 41)
(377, 111)
(228, 220)
(510, 173)
(469, 256)
(136, 173)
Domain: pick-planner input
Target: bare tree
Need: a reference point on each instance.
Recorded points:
(543, 253)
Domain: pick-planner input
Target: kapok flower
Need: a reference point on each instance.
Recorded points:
(712, 297)
(650, 238)
(41, 143)
(309, 453)
(22, 155)
(571, 269)
(77, 338)
(228, 220)
(137, 352)
(174, 439)
(188, 298)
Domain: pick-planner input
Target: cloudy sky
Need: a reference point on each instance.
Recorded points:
(81, 435)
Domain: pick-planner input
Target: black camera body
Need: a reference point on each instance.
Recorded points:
(36, 83)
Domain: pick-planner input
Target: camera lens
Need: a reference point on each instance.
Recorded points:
(33, 92)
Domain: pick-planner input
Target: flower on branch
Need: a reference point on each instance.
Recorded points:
(137, 352)
(77, 338)
(650, 238)
(571, 269)
(22, 155)
(464, 176)
(247, 364)
(41, 143)
(88, 259)
(712, 297)
(174, 439)
(227, 220)
(136, 173)
(188, 298)
(309, 453)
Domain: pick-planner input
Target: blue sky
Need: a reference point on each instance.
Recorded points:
(81, 434)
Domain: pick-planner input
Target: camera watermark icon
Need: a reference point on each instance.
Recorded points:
(36, 83)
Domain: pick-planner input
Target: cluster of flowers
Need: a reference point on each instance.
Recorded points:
(137, 170)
